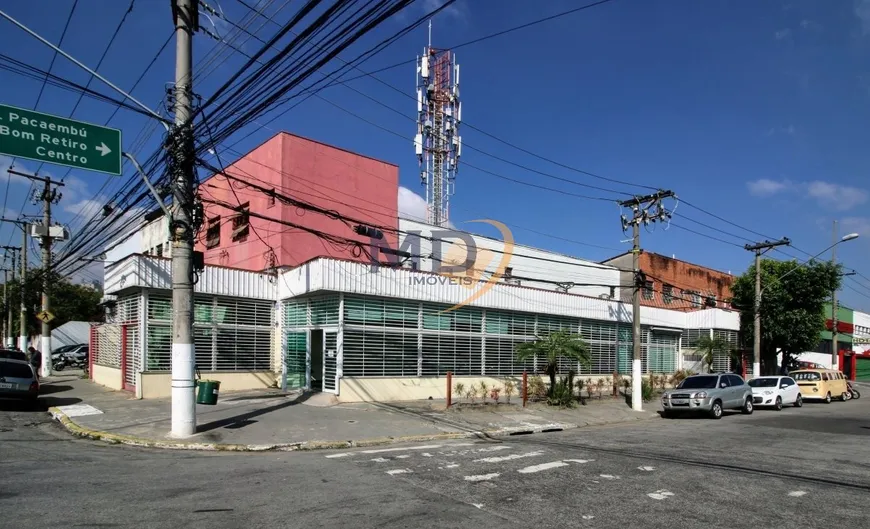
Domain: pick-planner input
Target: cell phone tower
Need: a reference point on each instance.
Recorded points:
(437, 143)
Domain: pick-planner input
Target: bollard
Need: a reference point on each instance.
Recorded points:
(449, 388)
(525, 387)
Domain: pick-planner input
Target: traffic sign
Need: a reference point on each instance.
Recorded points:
(45, 316)
(52, 139)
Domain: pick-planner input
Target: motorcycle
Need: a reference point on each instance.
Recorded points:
(60, 361)
(853, 393)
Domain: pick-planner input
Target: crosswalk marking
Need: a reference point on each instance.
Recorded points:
(499, 459)
(542, 466)
(482, 477)
(403, 449)
(400, 471)
(581, 461)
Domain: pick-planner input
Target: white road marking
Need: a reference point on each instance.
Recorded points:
(449, 465)
(380, 460)
(587, 517)
(608, 476)
(478, 505)
(542, 466)
(482, 477)
(499, 459)
(399, 471)
(581, 461)
(403, 456)
(343, 454)
(382, 450)
(79, 410)
(797, 493)
(426, 454)
(646, 469)
(466, 452)
(660, 494)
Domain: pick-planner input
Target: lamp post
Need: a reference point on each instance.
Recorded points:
(756, 368)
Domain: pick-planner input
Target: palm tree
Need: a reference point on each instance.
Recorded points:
(708, 347)
(550, 347)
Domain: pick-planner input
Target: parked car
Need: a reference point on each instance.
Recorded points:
(776, 392)
(709, 393)
(821, 384)
(13, 354)
(18, 380)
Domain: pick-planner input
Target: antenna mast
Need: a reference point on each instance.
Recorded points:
(437, 144)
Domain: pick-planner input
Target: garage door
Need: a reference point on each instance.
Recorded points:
(862, 369)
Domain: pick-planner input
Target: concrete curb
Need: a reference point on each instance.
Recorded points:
(142, 442)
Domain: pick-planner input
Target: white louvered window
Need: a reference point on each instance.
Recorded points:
(722, 359)
(372, 353)
(230, 334)
(662, 355)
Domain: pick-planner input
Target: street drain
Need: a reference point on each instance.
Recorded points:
(551, 430)
(351, 421)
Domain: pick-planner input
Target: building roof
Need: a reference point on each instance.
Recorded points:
(668, 258)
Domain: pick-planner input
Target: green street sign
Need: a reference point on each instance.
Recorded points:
(52, 139)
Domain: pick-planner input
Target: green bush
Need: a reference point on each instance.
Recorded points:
(646, 390)
(563, 392)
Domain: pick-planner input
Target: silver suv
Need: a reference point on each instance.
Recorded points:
(710, 393)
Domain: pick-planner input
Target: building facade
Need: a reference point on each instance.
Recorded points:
(675, 284)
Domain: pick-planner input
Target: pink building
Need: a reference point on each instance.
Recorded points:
(352, 185)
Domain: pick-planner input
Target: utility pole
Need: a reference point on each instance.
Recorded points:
(835, 309)
(182, 171)
(645, 210)
(48, 196)
(759, 249)
(9, 336)
(7, 325)
(22, 316)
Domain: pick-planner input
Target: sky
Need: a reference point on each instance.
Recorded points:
(752, 113)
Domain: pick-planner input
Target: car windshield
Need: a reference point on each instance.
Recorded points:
(15, 370)
(698, 383)
(810, 376)
(763, 382)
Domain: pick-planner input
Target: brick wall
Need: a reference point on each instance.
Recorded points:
(689, 285)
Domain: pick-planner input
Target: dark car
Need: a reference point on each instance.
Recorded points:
(18, 380)
(13, 354)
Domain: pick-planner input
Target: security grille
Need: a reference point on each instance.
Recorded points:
(662, 356)
(230, 334)
(501, 357)
(380, 312)
(691, 337)
(134, 355)
(451, 352)
(108, 346)
(722, 359)
(373, 353)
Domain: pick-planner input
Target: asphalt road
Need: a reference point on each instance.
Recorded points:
(799, 468)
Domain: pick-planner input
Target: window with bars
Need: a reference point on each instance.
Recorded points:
(501, 357)
(648, 290)
(460, 320)
(510, 323)
(662, 354)
(213, 233)
(373, 353)
(450, 352)
(230, 334)
(241, 223)
(380, 312)
(668, 294)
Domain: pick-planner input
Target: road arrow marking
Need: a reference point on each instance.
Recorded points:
(103, 148)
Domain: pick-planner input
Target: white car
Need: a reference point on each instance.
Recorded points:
(776, 392)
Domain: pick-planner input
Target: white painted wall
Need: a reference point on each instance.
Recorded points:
(525, 261)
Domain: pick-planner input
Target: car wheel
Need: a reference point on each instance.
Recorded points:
(799, 401)
(828, 398)
(778, 405)
(843, 397)
(748, 407)
(716, 410)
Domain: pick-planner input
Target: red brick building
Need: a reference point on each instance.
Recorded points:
(331, 178)
(675, 284)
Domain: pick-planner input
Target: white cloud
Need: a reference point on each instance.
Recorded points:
(413, 207)
(782, 34)
(5, 164)
(859, 225)
(767, 187)
(837, 196)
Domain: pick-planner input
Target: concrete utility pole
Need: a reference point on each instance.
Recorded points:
(7, 325)
(645, 210)
(834, 308)
(9, 336)
(22, 317)
(760, 249)
(182, 173)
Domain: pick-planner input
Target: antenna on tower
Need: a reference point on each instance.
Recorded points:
(437, 143)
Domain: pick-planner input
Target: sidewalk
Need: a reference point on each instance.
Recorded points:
(272, 420)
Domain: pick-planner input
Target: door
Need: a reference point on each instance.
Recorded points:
(738, 387)
(315, 374)
(862, 369)
(793, 390)
(330, 362)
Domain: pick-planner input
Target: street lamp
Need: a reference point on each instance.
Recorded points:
(756, 365)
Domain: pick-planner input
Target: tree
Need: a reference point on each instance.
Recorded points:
(792, 308)
(551, 347)
(69, 301)
(709, 347)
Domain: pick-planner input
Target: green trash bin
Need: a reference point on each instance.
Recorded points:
(208, 392)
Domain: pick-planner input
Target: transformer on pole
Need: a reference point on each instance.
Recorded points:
(437, 144)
